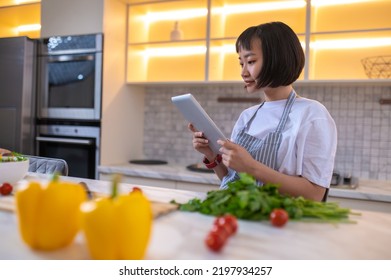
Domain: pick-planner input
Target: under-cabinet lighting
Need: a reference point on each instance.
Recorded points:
(240, 9)
(258, 7)
(224, 49)
(228, 48)
(321, 3)
(350, 43)
(175, 15)
(28, 27)
(18, 2)
(175, 51)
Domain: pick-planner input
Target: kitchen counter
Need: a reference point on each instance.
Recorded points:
(365, 239)
(372, 190)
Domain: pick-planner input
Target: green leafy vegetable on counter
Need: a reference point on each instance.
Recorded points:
(246, 200)
(13, 157)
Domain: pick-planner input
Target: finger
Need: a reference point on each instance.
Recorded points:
(200, 141)
(192, 128)
(226, 143)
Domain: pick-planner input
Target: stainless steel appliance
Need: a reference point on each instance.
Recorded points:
(17, 94)
(70, 77)
(78, 145)
(69, 94)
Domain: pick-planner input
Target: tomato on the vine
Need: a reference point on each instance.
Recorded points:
(6, 189)
(279, 217)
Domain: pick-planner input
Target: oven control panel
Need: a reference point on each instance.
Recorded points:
(69, 130)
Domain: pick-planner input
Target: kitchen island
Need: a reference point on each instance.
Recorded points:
(372, 195)
(180, 235)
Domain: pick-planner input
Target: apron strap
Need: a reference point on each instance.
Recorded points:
(287, 110)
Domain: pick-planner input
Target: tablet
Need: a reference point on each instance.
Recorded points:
(195, 114)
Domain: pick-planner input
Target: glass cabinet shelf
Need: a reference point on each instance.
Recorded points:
(337, 35)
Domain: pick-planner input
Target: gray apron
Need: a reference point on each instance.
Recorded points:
(263, 150)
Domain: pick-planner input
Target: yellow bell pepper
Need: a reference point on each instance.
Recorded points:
(117, 227)
(49, 214)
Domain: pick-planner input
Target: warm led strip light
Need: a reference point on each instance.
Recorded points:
(321, 3)
(175, 51)
(175, 15)
(242, 8)
(18, 2)
(316, 45)
(350, 43)
(259, 7)
(28, 27)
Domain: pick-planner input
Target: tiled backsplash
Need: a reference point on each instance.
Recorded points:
(364, 126)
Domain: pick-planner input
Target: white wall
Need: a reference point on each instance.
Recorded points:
(71, 17)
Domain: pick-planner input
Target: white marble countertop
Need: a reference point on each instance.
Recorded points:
(374, 190)
(180, 235)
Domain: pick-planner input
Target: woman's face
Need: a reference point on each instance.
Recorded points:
(251, 63)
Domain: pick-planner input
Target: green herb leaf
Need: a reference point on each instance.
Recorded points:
(246, 200)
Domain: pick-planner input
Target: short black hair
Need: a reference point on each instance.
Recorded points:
(283, 55)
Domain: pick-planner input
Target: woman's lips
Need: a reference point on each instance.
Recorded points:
(248, 83)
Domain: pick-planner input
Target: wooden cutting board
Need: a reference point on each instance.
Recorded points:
(158, 208)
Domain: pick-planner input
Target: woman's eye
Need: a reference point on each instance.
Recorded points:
(251, 62)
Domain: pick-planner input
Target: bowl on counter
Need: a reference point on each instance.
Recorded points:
(13, 169)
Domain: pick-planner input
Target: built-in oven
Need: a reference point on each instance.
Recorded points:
(69, 95)
(77, 144)
(70, 77)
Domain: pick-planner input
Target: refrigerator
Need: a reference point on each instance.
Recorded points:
(17, 94)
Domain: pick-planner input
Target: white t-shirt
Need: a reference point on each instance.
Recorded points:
(309, 138)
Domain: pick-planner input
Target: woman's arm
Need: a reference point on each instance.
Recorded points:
(237, 158)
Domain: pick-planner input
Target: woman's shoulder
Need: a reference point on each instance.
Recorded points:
(248, 112)
(310, 105)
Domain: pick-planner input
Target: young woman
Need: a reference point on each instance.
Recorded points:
(287, 139)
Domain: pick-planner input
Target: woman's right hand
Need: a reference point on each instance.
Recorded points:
(200, 143)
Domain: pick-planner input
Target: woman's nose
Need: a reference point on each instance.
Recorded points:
(244, 72)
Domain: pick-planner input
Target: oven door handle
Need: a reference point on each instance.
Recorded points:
(63, 140)
(65, 58)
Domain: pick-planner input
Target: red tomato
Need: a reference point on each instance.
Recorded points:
(6, 189)
(279, 217)
(232, 221)
(215, 241)
(228, 222)
(221, 230)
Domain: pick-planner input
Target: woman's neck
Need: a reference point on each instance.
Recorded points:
(279, 93)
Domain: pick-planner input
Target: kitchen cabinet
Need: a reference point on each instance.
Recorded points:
(344, 35)
(336, 37)
(21, 19)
